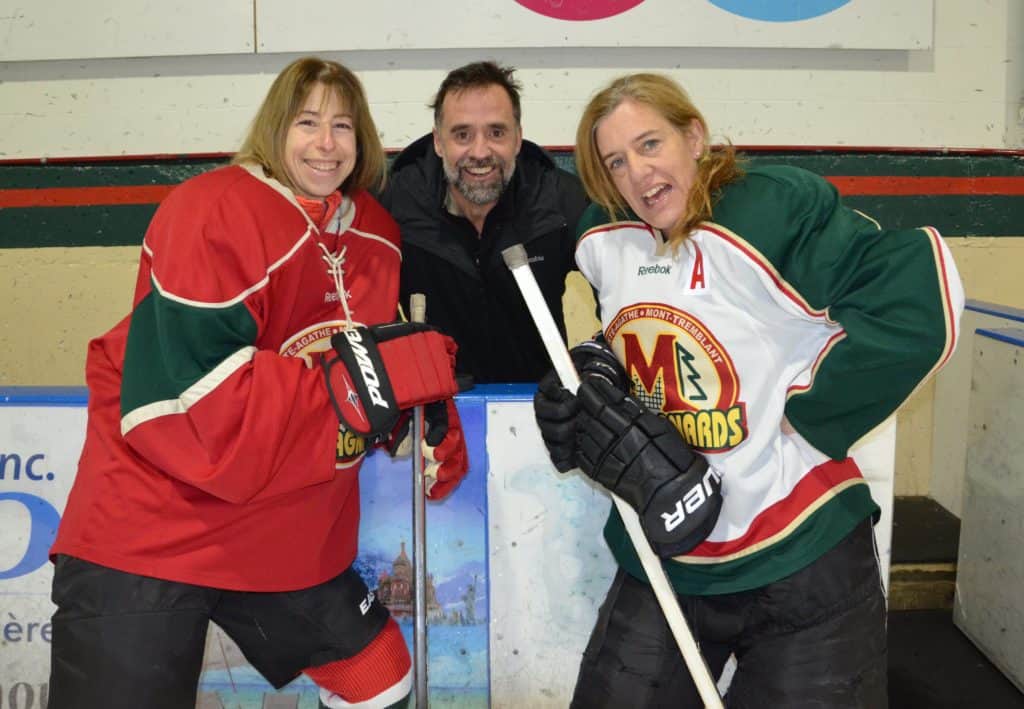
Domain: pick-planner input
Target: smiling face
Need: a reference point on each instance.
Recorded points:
(320, 146)
(478, 139)
(652, 163)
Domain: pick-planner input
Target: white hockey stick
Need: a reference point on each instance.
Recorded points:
(516, 259)
(418, 313)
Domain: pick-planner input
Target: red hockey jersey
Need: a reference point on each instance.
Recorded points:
(213, 455)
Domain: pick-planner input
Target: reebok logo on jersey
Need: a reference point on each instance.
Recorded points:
(692, 500)
(655, 270)
(370, 377)
(332, 296)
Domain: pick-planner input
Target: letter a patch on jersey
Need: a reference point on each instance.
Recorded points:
(697, 281)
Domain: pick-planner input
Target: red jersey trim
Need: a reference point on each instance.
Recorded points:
(818, 361)
(949, 312)
(769, 269)
(820, 485)
(614, 226)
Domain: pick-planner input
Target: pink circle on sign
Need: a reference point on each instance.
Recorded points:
(579, 10)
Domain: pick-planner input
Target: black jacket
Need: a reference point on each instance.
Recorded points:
(470, 293)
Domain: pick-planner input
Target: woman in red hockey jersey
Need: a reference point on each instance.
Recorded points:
(216, 482)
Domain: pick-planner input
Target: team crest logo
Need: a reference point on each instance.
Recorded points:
(678, 367)
(306, 345)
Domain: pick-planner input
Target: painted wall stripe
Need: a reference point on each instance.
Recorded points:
(84, 196)
(899, 185)
(848, 185)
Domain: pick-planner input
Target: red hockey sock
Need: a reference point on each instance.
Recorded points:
(382, 669)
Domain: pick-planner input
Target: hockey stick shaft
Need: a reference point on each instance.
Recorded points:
(516, 259)
(418, 313)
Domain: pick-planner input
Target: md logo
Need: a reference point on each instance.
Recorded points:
(779, 10)
(43, 521)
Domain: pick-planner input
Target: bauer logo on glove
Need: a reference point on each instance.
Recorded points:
(693, 500)
(675, 527)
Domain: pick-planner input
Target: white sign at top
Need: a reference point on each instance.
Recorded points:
(326, 25)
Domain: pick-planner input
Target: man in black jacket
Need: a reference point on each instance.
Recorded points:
(461, 195)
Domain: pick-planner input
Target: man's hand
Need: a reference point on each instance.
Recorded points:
(444, 449)
(641, 457)
(381, 370)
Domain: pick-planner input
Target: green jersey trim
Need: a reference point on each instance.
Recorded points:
(160, 368)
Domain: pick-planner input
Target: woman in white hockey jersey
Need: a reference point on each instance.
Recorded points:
(755, 329)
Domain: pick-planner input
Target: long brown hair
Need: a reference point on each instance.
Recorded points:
(265, 141)
(715, 168)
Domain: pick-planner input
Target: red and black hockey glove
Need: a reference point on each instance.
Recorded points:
(446, 459)
(556, 409)
(641, 457)
(381, 370)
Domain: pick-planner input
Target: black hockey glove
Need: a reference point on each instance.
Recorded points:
(594, 358)
(555, 408)
(641, 457)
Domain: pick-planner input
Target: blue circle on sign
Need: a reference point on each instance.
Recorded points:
(42, 530)
(779, 10)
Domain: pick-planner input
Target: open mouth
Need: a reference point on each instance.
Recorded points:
(654, 195)
(478, 170)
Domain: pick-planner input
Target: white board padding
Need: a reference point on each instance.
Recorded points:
(990, 565)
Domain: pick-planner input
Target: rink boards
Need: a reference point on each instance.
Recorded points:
(516, 558)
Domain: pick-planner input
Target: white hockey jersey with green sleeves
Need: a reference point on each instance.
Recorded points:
(774, 337)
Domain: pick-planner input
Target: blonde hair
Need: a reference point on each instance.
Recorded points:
(715, 168)
(265, 141)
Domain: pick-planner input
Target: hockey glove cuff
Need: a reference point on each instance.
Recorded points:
(398, 443)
